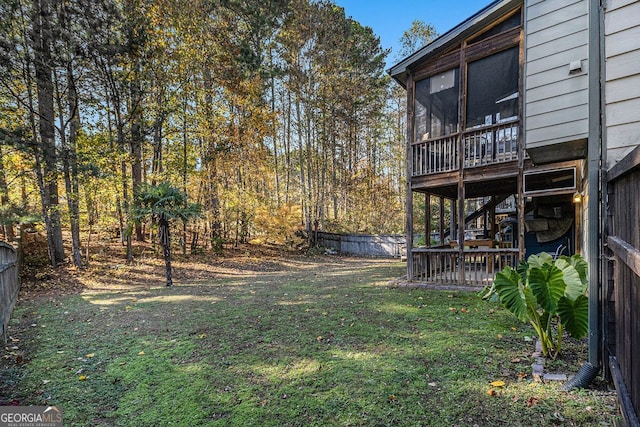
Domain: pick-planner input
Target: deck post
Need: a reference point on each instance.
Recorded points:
(409, 172)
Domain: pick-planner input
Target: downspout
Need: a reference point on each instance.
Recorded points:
(595, 161)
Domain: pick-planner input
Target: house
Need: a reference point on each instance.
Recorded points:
(523, 124)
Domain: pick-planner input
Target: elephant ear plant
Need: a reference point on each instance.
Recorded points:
(550, 294)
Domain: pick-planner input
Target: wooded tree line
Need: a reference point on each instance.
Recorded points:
(262, 113)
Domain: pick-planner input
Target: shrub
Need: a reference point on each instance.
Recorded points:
(548, 293)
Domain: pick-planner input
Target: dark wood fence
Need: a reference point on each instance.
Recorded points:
(622, 298)
(9, 283)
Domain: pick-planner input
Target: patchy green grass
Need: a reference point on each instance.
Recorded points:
(322, 346)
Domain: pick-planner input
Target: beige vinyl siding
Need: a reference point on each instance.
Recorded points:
(556, 101)
(622, 73)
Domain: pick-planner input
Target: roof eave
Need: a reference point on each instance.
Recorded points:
(399, 72)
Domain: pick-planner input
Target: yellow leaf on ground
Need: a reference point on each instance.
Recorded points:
(90, 355)
(498, 383)
(201, 336)
(82, 378)
(141, 353)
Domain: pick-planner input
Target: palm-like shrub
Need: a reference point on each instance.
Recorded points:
(163, 203)
(550, 294)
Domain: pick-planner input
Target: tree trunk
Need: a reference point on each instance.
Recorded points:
(165, 242)
(212, 170)
(41, 40)
(70, 165)
(4, 199)
(136, 141)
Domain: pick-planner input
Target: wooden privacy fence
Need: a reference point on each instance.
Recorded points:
(380, 245)
(622, 298)
(9, 283)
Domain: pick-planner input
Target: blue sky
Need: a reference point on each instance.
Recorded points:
(389, 19)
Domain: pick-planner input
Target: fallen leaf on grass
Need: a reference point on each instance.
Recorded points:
(532, 401)
(141, 353)
(499, 336)
(90, 355)
(201, 336)
(492, 392)
(498, 383)
(515, 360)
(82, 378)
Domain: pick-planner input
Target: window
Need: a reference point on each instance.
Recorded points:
(436, 106)
(492, 89)
(553, 180)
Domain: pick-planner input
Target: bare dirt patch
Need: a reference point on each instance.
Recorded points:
(108, 268)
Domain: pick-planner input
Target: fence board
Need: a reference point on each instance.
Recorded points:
(623, 303)
(380, 245)
(9, 283)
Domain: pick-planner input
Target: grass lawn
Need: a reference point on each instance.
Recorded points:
(318, 342)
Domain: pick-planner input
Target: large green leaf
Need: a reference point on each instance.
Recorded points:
(538, 260)
(581, 267)
(547, 284)
(508, 287)
(574, 284)
(523, 270)
(575, 315)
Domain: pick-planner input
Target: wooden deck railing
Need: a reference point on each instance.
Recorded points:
(487, 145)
(440, 266)
(435, 156)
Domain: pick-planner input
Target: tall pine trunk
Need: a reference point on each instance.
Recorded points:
(42, 34)
(70, 164)
(4, 199)
(136, 139)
